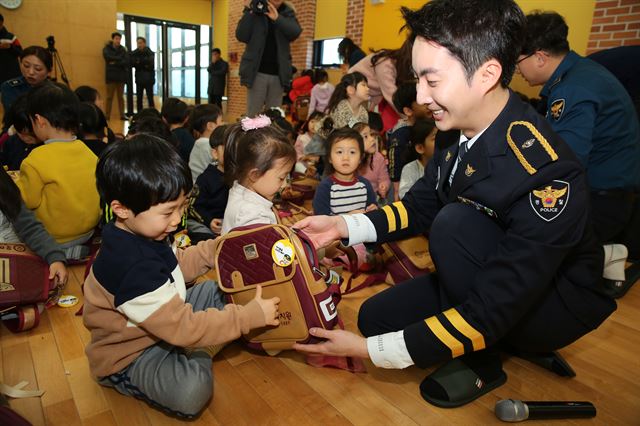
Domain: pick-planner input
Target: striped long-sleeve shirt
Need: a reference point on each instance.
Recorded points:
(334, 196)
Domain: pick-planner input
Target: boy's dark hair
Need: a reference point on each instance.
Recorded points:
(10, 199)
(337, 136)
(420, 130)
(321, 75)
(340, 93)
(174, 111)
(217, 136)
(91, 120)
(545, 31)
(17, 115)
(473, 31)
(86, 94)
(115, 34)
(39, 52)
(375, 122)
(284, 126)
(55, 102)
(142, 38)
(216, 50)
(142, 172)
(203, 114)
(147, 112)
(151, 125)
(254, 149)
(404, 96)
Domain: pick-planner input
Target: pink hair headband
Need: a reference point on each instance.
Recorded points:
(257, 122)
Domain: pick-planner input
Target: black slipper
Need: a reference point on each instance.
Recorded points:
(551, 361)
(461, 381)
(617, 289)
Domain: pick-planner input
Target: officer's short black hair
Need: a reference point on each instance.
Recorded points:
(55, 102)
(115, 34)
(142, 172)
(473, 31)
(174, 111)
(203, 114)
(216, 50)
(17, 115)
(39, 52)
(404, 96)
(545, 31)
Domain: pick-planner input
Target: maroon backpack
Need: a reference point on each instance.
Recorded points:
(285, 264)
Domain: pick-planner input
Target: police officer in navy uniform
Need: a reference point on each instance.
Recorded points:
(517, 263)
(593, 113)
(35, 65)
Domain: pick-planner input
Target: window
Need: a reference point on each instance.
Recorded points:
(325, 52)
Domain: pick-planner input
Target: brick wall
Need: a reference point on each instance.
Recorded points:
(355, 21)
(615, 23)
(301, 51)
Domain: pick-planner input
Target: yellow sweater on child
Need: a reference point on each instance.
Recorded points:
(58, 182)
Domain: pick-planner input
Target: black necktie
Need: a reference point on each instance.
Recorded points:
(462, 150)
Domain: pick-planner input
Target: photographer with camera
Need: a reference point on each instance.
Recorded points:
(267, 28)
(36, 63)
(116, 60)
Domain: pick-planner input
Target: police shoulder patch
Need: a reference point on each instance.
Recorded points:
(549, 201)
(556, 109)
(530, 147)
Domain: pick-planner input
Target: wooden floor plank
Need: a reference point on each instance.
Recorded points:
(49, 369)
(87, 393)
(101, 419)
(18, 367)
(126, 411)
(63, 413)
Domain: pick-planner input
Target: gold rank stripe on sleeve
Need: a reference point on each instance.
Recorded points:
(391, 210)
(538, 136)
(455, 346)
(477, 340)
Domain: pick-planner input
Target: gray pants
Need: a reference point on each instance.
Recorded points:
(265, 93)
(163, 376)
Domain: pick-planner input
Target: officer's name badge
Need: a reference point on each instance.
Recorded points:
(550, 201)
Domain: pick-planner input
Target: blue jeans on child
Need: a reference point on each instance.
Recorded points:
(166, 378)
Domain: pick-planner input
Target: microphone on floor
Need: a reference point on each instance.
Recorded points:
(511, 410)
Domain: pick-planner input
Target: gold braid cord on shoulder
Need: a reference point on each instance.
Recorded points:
(545, 144)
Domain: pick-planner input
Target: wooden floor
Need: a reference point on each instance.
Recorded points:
(256, 389)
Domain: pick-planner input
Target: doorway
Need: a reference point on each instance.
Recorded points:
(181, 56)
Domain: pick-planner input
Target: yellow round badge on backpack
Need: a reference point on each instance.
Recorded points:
(283, 253)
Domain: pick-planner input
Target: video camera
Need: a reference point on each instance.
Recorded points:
(51, 43)
(260, 7)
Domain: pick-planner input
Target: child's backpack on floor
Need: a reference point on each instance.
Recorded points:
(25, 287)
(285, 264)
(406, 259)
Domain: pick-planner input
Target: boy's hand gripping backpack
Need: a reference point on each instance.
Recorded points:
(285, 264)
(24, 286)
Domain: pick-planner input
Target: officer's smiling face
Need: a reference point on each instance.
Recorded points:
(443, 87)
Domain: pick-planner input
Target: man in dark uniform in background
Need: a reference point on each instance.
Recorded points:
(116, 60)
(593, 113)
(217, 69)
(518, 266)
(142, 59)
(9, 52)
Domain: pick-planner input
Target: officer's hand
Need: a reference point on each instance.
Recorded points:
(273, 12)
(338, 343)
(323, 230)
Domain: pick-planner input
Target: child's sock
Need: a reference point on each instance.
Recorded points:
(615, 256)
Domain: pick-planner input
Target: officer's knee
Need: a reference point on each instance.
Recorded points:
(367, 319)
(447, 226)
(193, 394)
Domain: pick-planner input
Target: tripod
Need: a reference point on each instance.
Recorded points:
(57, 65)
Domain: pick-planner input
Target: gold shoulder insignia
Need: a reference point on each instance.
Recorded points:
(527, 135)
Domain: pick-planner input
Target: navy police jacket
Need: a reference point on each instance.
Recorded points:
(521, 174)
(593, 113)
